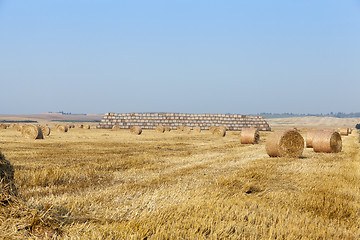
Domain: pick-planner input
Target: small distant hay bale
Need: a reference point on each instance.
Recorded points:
(136, 130)
(45, 130)
(116, 128)
(212, 129)
(12, 125)
(62, 128)
(167, 129)
(32, 131)
(160, 129)
(187, 129)
(18, 127)
(3, 126)
(180, 128)
(287, 143)
(86, 126)
(250, 136)
(80, 126)
(310, 136)
(327, 142)
(344, 131)
(219, 132)
(197, 129)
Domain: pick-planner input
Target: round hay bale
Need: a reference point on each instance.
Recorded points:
(187, 129)
(250, 136)
(3, 126)
(62, 128)
(86, 126)
(160, 129)
(80, 126)
(136, 130)
(287, 143)
(116, 128)
(180, 128)
(18, 127)
(45, 130)
(327, 142)
(32, 132)
(197, 129)
(224, 127)
(212, 129)
(7, 182)
(167, 129)
(219, 132)
(309, 137)
(344, 131)
(12, 125)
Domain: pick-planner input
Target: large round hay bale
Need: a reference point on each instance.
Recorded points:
(344, 131)
(3, 126)
(309, 137)
(286, 143)
(116, 128)
(327, 142)
(136, 130)
(250, 136)
(197, 129)
(180, 128)
(18, 127)
(187, 129)
(32, 132)
(160, 129)
(212, 129)
(167, 129)
(219, 132)
(62, 128)
(7, 182)
(45, 130)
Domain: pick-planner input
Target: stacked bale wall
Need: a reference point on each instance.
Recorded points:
(233, 122)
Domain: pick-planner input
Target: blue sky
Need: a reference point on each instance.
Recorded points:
(179, 56)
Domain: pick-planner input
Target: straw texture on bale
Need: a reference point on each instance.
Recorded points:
(3, 126)
(12, 125)
(187, 129)
(225, 127)
(327, 142)
(197, 129)
(250, 136)
(167, 129)
(212, 129)
(219, 132)
(287, 143)
(62, 128)
(45, 130)
(160, 129)
(344, 131)
(309, 137)
(86, 126)
(180, 128)
(116, 128)
(18, 127)
(32, 132)
(136, 130)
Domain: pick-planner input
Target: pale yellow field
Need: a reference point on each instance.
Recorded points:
(103, 184)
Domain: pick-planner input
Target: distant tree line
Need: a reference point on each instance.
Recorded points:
(331, 114)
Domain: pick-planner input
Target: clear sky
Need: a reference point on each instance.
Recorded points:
(193, 56)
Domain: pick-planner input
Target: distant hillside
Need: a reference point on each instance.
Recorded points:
(287, 115)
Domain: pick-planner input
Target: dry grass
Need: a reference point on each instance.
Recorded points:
(103, 184)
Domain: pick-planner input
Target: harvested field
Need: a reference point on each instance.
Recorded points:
(103, 184)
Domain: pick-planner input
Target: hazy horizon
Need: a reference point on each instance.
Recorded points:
(243, 57)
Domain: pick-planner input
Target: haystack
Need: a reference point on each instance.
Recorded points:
(86, 126)
(250, 136)
(327, 142)
(187, 129)
(45, 130)
(219, 132)
(32, 132)
(167, 129)
(80, 126)
(3, 126)
(309, 137)
(287, 143)
(136, 130)
(180, 128)
(62, 128)
(160, 129)
(18, 127)
(344, 131)
(197, 129)
(116, 128)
